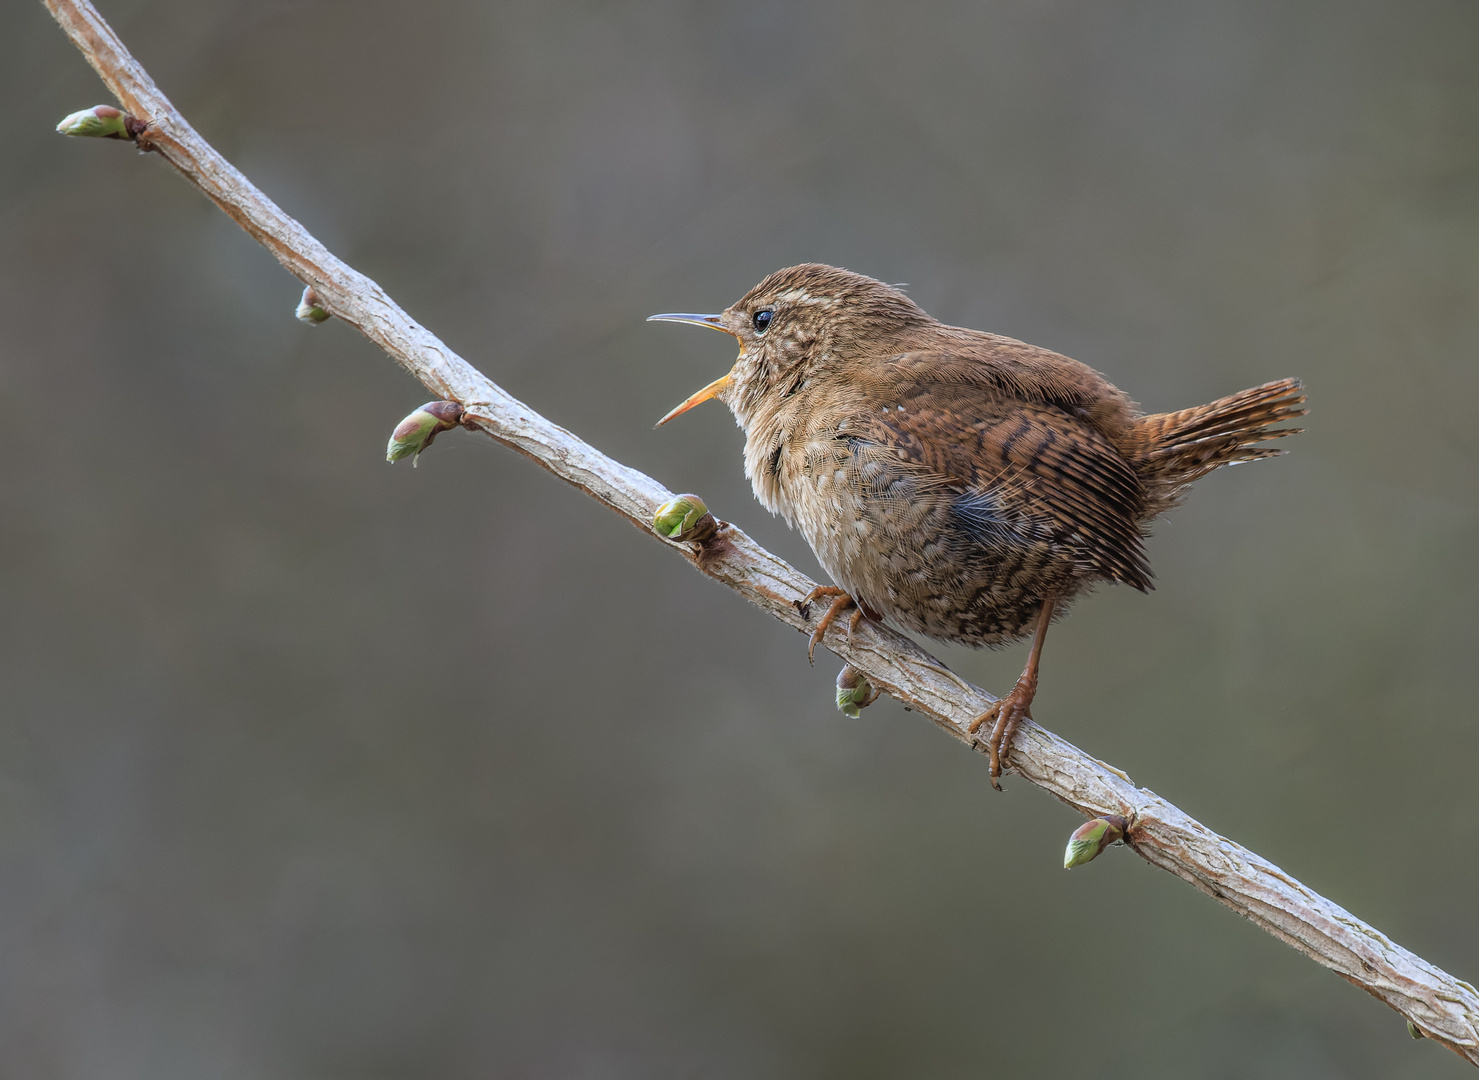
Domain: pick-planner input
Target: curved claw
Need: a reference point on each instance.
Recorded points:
(1006, 716)
(825, 621)
(839, 603)
(1010, 710)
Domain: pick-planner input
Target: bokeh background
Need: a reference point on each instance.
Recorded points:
(314, 767)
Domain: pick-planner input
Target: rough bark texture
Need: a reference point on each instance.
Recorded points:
(1442, 1007)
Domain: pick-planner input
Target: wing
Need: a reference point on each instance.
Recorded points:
(1025, 472)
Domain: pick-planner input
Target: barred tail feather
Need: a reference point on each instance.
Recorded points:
(1179, 447)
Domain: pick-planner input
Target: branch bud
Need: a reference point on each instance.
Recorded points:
(1092, 837)
(1415, 1031)
(678, 518)
(308, 310)
(416, 432)
(102, 122)
(854, 692)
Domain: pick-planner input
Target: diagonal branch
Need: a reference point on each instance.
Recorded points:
(1442, 1007)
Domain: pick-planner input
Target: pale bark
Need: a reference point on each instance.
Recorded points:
(1442, 1007)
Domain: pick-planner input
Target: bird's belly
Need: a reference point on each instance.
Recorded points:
(902, 553)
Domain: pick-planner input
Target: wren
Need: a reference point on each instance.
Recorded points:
(956, 483)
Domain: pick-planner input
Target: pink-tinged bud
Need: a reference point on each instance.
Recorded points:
(102, 122)
(309, 310)
(854, 692)
(98, 122)
(1092, 837)
(416, 432)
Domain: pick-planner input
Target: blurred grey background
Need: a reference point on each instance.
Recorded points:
(315, 767)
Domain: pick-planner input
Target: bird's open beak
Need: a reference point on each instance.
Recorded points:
(715, 387)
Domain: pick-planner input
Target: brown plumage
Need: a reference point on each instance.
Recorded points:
(958, 483)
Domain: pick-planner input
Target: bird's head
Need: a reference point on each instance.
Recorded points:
(797, 325)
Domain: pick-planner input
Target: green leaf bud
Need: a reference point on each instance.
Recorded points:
(416, 432)
(309, 310)
(98, 122)
(1092, 837)
(854, 692)
(678, 518)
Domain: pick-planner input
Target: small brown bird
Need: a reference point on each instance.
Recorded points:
(953, 482)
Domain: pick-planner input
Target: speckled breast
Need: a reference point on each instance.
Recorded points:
(932, 560)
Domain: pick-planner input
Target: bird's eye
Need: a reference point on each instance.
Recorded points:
(762, 320)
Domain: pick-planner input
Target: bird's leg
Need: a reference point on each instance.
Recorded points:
(840, 601)
(1009, 711)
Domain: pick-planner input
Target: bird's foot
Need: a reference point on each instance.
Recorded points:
(840, 601)
(1006, 716)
